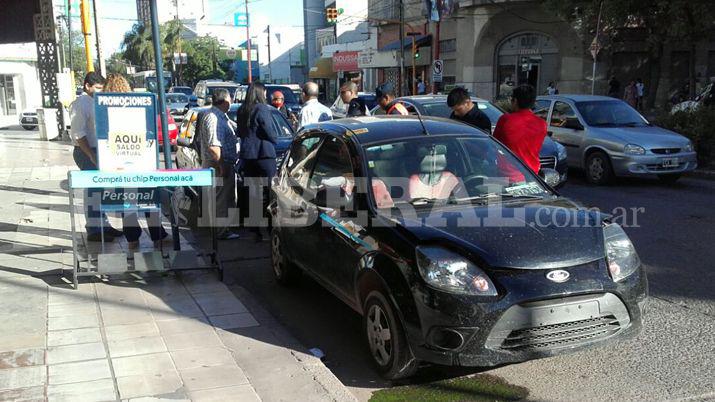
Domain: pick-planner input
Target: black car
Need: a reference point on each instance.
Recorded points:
(552, 154)
(451, 249)
(291, 101)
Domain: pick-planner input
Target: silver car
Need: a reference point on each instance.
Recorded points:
(608, 138)
(176, 103)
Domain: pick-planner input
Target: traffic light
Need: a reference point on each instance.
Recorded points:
(417, 53)
(331, 14)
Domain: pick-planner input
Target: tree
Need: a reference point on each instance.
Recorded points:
(138, 47)
(203, 62)
(79, 59)
(665, 22)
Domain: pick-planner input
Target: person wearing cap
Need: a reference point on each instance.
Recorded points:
(385, 95)
(349, 96)
(278, 101)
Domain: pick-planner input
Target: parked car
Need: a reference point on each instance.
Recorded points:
(187, 156)
(608, 138)
(290, 100)
(432, 279)
(173, 130)
(177, 103)
(181, 90)
(28, 119)
(205, 88)
(339, 108)
(552, 154)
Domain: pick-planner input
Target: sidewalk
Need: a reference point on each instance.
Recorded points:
(162, 336)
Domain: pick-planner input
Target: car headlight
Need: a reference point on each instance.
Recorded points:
(633, 149)
(451, 272)
(562, 151)
(621, 256)
(689, 147)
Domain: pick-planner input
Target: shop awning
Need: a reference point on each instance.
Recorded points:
(323, 68)
(407, 43)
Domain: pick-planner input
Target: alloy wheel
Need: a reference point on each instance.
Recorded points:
(379, 335)
(596, 169)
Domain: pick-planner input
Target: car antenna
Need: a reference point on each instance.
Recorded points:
(419, 115)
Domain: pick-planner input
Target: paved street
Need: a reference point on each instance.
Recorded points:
(671, 359)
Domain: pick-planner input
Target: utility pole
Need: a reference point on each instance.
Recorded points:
(100, 59)
(414, 67)
(435, 43)
(270, 69)
(87, 32)
(402, 47)
(69, 33)
(595, 54)
(248, 45)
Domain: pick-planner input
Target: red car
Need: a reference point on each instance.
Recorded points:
(173, 130)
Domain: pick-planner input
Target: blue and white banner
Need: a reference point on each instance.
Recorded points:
(158, 178)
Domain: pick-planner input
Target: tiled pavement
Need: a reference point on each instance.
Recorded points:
(161, 336)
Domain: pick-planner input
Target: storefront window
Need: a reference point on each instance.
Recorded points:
(528, 58)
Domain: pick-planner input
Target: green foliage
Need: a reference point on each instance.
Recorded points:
(203, 59)
(698, 127)
(477, 388)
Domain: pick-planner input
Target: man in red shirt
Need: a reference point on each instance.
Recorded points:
(522, 131)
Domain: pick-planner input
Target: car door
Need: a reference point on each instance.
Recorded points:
(292, 196)
(566, 129)
(339, 233)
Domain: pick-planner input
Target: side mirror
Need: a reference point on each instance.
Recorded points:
(550, 176)
(573, 124)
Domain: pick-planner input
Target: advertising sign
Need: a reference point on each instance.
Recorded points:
(126, 132)
(345, 61)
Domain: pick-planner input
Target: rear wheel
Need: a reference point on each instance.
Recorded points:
(286, 273)
(669, 178)
(598, 169)
(386, 338)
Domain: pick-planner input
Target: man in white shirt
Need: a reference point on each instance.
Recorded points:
(84, 138)
(313, 111)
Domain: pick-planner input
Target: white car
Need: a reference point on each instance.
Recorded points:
(28, 119)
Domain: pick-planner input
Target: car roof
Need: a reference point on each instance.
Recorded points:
(221, 84)
(372, 129)
(435, 98)
(577, 98)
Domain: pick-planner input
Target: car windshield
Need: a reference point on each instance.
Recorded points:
(288, 95)
(177, 98)
(610, 113)
(182, 90)
(447, 169)
(231, 89)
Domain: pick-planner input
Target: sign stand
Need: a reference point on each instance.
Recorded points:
(105, 263)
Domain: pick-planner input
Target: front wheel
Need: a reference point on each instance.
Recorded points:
(598, 169)
(669, 178)
(386, 339)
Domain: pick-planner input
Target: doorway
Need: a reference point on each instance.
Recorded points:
(526, 58)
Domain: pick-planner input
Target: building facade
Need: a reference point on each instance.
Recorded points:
(19, 81)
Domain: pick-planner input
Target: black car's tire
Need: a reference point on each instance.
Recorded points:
(598, 169)
(286, 272)
(28, 127)
(669, 178)
(385, 338)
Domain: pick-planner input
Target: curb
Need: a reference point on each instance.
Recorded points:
(334, 389)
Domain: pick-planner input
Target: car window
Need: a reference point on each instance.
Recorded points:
(610, 113)
(281, 125)
(541, 108)
(230, 88)
(333, 162)
(302, 159)
(562, 112)
(288, 95)
(177, 98)
(438, 109)
(492, 112)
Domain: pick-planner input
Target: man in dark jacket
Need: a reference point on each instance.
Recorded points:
(349, 96)
(464, 110)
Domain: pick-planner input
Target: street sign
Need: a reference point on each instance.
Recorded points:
(595, 47)
(126, 131)
(437, 70)
(231, 53)
(240, 19)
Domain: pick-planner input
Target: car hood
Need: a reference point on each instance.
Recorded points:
(531, 236)
(548, 148)
(647, 136)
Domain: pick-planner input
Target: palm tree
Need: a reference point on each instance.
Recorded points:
(138, 47)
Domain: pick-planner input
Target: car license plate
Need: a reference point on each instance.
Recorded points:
(566, 313)
(670, 162)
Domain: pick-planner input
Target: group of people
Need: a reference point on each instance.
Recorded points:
(217, 139)
(633, 94)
